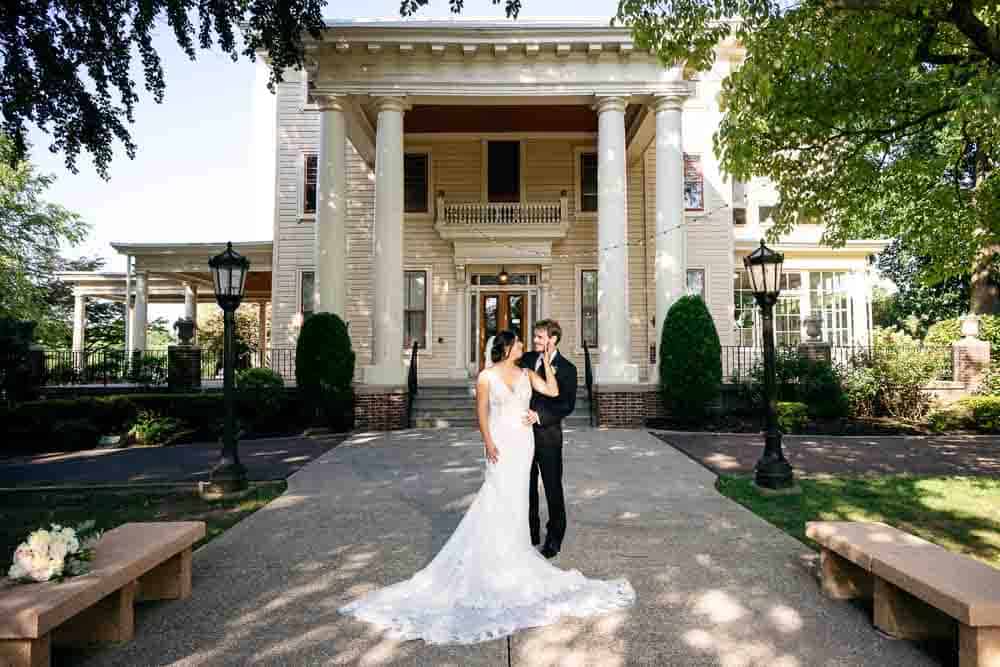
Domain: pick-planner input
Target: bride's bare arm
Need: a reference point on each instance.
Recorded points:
(548, 386)
(483, 412)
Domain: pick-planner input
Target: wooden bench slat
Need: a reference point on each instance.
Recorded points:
(123, 555)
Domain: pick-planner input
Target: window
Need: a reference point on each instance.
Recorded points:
(415, 309)
(830, 302)
(696, 282)
(787, 312)
(487, 279)
(588, 182)
(764, 213)
(309, 171)
(739, 216)
(415, 183)
(588, 307)
(503, 171)
(307, 294)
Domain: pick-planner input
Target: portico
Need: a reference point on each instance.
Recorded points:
(387, 90)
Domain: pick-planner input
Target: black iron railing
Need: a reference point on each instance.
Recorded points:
(411, 382)
(739, 361)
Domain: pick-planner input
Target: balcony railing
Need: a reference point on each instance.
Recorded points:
(462, 213)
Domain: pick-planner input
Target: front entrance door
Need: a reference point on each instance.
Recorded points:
(499, 311)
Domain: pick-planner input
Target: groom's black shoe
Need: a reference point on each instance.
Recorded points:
(550, 551)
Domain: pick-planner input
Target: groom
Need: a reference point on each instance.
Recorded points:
(546, 415)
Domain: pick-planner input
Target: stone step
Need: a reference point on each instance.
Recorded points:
(575, 421)
(422, 402)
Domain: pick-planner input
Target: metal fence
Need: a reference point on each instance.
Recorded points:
(739, 361)
(149, 367)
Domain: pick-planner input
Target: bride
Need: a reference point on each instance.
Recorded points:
(488, 581)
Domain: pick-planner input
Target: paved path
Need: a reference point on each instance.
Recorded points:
(716, 585)
(265, 459)
(736, 453)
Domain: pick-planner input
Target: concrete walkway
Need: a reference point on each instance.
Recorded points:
(716, 585)
(265, 459)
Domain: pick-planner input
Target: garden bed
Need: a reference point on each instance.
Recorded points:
(738, 423)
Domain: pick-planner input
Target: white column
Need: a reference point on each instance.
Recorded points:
(612, 242)
(130, 318)
(858, 291)
(139, 318)
(670, 231)
(387, 351)
(331, 203)
(128, 302)
(79, 322)
(191, 306)
(461, 328)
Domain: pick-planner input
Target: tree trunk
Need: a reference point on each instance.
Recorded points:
(985, 297)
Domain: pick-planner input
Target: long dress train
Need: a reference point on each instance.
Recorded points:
(488, 581)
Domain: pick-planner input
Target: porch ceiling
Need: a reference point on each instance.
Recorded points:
(460, 118)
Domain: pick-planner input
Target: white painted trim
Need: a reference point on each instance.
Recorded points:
(578, 270)
(418, 149)
(707, 282)
(578, 212)
(300, 187)
(428, 311)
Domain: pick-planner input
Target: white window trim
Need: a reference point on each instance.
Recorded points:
(484, 192)
(300, 185)
(708, 283)
(578, 211)
(428, 312)
(429, 213)
(299, 313)
(578, 270)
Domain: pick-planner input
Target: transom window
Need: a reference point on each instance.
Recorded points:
(503, 171)
(415, 182)
(415, 309)
(491, 279)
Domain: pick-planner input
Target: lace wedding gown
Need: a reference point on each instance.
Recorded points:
(488, 581)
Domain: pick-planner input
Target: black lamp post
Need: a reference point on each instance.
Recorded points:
(764, 266)
(229, 274)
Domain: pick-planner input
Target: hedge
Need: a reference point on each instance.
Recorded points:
(974, 413)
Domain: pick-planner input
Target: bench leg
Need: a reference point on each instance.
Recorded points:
(843, 580)
(978, 647)
(903, 616)
(24, 652)
(171, 580)
(110, 620)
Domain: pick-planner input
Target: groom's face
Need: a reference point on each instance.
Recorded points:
(541, 339)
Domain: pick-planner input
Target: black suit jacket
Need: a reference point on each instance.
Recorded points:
(551, 411)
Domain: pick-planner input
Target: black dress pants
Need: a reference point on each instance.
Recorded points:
(548, 462)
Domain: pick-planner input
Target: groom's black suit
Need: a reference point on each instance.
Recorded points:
(548, 448)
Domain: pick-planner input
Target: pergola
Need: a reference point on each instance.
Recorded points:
(166, 273)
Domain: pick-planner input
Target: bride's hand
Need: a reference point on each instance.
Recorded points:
(492, 453)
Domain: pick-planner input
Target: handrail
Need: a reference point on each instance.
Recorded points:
(588, 380)
(411, 382)
(464, 213)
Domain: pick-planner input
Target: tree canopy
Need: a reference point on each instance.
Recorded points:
(874, 117)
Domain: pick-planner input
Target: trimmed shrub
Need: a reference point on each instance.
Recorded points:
(324, 369)
(792, 416)
(801, 380)
(152, 429)
(978, 413)
(990, 384)
(74, 434)
(260, 398)
(690, 358)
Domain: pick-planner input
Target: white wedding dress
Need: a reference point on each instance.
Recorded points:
(488, 581)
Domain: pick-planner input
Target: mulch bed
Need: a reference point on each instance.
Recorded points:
(736, 423)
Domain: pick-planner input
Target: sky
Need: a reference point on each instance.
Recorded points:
(190, 180)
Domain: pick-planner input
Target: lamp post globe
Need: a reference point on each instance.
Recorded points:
(764, 267)
(229, 274)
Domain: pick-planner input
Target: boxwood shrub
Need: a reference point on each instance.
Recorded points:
(690, 359)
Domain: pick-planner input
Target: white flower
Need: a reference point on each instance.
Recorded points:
(58, 550)
(39, 541)
(17, 571)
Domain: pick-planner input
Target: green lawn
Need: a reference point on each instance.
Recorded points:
(24, 511)
(959, 513)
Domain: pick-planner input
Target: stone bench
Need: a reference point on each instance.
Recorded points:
(920, 590)
(135, 561)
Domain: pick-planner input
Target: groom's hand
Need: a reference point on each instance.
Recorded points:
(530, 418)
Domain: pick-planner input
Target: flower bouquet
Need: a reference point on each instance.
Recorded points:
(55, 554)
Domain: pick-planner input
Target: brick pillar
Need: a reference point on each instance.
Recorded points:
(381, 408)
(970, 356)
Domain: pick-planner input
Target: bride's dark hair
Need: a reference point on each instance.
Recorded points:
(502, 343)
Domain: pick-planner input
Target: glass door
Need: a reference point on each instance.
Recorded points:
(499, 311)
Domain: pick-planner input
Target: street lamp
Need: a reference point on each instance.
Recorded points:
(764, 266)
(229, 274)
